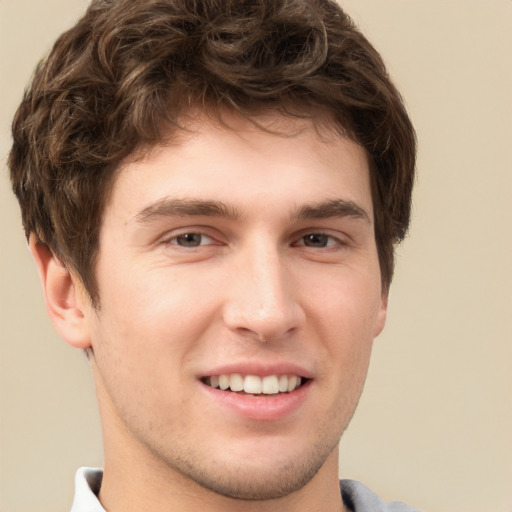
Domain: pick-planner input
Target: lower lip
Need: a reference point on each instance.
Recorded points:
(260, 408)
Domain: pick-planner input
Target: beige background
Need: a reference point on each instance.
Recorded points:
(434, 426)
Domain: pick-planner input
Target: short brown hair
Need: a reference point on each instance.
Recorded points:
(127, 71)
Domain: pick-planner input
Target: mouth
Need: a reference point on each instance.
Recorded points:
(255, 385)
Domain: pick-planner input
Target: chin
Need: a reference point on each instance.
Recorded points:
(252, 484)
(257, 480)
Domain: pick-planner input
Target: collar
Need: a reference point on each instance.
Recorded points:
(87, 486)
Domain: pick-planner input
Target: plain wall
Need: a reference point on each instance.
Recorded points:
(435, 421)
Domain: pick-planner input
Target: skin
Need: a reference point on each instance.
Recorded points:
(255, 290)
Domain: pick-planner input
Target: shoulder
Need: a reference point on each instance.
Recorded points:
(358, 498)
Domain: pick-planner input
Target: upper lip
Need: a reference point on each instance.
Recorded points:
(260, 369)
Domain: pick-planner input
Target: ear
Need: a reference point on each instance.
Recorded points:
(381, 314)
(65, 300)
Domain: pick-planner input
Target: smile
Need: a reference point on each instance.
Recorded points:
(253, 384)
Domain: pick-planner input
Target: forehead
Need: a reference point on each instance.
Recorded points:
(234, 159)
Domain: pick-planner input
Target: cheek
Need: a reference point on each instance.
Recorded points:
(152, 318)
(347, 317)
(140, 348)
(348, 304)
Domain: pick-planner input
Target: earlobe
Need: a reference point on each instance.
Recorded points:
(381, 315)
(64, 303)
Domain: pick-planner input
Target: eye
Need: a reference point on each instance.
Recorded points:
(318, 240)
(191, 240)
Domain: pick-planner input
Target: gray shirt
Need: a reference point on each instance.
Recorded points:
(356, 496)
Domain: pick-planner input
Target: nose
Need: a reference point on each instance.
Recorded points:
(262, 296)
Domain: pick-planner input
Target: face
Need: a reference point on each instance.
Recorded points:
(240, 296)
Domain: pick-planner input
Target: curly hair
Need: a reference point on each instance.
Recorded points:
(127, 72)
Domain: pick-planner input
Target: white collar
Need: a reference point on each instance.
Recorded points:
(87, 485)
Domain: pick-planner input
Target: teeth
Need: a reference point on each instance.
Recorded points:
(236, 383)
(254, 385)
(224, 382)
(270, 385)
(292, 383)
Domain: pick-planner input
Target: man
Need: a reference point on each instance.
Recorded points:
(212, 191)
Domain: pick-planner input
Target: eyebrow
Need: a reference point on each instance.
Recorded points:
(332, 208)
(167, 207)
(186, 207)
